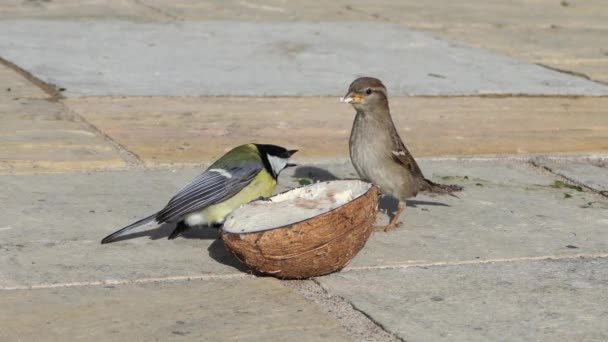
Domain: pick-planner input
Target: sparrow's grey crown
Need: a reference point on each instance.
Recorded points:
(362, 83)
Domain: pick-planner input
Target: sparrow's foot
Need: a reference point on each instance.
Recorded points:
(388, 227)
(394, 223)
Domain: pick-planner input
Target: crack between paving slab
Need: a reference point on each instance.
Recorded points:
(50, 89)
(247, 275)
(572, 73)
(357, 324)
(377, 17)
(603, 193)
(131, 282)
(354, 307)
(157, 10)
(131, 158)
(477, 262)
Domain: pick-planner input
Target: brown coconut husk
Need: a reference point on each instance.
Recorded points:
(316, 246)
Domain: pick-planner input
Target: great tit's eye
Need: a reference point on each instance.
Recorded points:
(368, 91)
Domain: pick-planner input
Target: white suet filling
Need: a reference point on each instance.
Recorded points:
(294, 206)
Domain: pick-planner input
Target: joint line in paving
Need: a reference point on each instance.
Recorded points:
(572, 73)
(157, 10)
(129, 156)
(354, 307)
(603, 193)
(476, 262)
(132, 281)
(50, 89)
(358, 325)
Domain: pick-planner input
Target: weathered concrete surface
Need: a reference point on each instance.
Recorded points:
(568, 35)
(284, 59)
(590, 172)
(39, 136)
(185, 130)
(428, 14)
(508, 210)
(14, 86)
(52, 224)
(79, 10)
(215, 310)
(572, 49)
(552, 300)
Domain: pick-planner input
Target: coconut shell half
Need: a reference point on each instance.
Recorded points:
(304, 232)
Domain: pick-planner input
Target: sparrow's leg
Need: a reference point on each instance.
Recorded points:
(394, 223)
(181, 226)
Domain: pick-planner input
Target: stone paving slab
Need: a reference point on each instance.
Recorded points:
(164, 130)
(51, 230)
(285, 59)
(590, 172)
(567, 35)
(53, 223)
(551, 300)
(508, 210)
(78, 10)
(215, 310)
(39, 136)
(571, 49)
(14, 86)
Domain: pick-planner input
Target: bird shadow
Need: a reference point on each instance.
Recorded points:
(389, 204)
(164, 230)
(218, 252)
(315, 174)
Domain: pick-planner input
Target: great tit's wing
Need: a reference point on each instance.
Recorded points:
(213, 186)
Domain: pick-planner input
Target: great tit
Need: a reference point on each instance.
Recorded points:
(245, 173)
(377, 152)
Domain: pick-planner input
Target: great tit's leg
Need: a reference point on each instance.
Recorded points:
(218, 227)
(181, 226)
(394, 222)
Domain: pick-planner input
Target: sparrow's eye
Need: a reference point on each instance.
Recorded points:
(368, 91)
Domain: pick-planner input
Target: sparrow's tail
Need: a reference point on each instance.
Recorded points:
(442, 189)
(112, 237)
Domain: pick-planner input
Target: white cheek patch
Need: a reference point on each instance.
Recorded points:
(222, 172)
(277, 163)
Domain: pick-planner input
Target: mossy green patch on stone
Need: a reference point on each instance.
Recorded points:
(561, 185)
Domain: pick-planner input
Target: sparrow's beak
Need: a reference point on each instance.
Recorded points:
(351, 97)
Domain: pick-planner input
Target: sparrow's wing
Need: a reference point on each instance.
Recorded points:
(402, 156)
(213, 186)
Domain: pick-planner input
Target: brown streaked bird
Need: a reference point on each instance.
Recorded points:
(378, 153)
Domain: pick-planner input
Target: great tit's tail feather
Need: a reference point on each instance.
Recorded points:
(112, 237)
(443, 189)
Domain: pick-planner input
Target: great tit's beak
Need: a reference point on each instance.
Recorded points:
(289, 154)
(351, 97)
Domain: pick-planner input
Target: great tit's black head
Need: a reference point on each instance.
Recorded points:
(275, 158)
(366, 93)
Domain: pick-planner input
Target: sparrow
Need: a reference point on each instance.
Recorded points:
(378, 153)
(245, 173)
